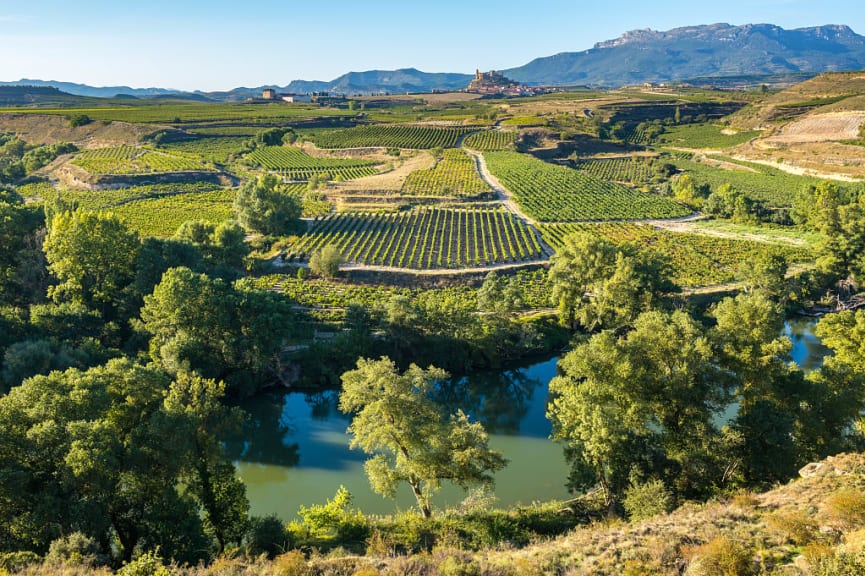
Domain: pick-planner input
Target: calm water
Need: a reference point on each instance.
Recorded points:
(295, 450)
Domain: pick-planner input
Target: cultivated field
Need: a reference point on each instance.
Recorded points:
(424, 238)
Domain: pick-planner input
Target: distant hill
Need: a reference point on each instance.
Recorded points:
(35, 95)
(94, 91)
(700, 51)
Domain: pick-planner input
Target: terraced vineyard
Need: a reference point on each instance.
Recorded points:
(386, 136)
(454, 175)
(134, 160)
(424, 238)
(697, 260)
(703, 136)
(293, 164)
(617, 170)
(489, 140)
(553, 193)
(162, 216)
(217, 149)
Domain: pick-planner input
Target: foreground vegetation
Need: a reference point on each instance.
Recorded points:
(131, 318)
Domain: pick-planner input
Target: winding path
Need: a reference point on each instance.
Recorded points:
(505, 197)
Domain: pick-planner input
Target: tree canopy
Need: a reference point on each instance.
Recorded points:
(263, 205)
(410, 436)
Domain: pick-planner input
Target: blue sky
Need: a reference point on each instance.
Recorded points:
(214, 45)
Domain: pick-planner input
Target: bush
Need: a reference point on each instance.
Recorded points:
(846, 508)
(326, 261)
(796, 526)
(721, 557)
(265, 535)
(647, 500)
(148, 564)
(79, 120)
(292, 563)
(15, 561)
(76, 549)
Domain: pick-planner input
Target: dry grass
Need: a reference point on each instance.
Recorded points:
(50, 129)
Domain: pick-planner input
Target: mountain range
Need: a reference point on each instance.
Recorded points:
(638, 56)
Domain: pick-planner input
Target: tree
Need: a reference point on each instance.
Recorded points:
(221, 244)
(264, 205)
(119, 452)
(93, 255)
(326, 261)
(686, 191)
(413, 440)
(639, 406)
(598, 284)
(206, 325)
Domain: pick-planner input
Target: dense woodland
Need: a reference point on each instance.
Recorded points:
(122, 348)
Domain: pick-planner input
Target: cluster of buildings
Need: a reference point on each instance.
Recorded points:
(496, 83)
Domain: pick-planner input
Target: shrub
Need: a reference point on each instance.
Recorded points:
(79, 120)
(796, 526)
(326, 261)
(458, 565)
(265, 535)
(721, 557)
(846, 508)
(647, 500)
(292, 563)
(148, 564)
(76, 549)
(15, 561)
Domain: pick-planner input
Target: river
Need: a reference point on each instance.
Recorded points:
(295, 450)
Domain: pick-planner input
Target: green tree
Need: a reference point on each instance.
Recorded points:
(326, 261)
(221, 244)
(263, 205)
(600, 285)
(638, 406)
(413, 440)
(93, 257)
(112, 452)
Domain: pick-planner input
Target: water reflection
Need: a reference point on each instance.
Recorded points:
(294, 449)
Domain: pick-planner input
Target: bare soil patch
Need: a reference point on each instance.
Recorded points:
(832, 126)
(50, 129)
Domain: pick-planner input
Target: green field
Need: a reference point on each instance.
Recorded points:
(161, 216)
(293, 164)
(617, 170)
(697, 260)
(703, 136)
(179, 114)
(774, 187)
(134, 160)
(216, 149)
(425, 238)
(489, 140)
(391, 136)
(454, 175)
(553, 193)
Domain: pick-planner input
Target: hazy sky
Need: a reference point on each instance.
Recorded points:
(215, 45)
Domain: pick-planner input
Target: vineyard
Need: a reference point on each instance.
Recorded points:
(552, 193)
(774, 187)
(161, 216)
(294, 164)
(387, 136)
(454, 174)
(490, 140)
(218, 150)
(703, 136)
(99, 199)
(697, 260)
(133, 160)
(617, 170)
(426, 238)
